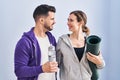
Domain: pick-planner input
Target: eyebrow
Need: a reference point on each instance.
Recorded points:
(70, 19)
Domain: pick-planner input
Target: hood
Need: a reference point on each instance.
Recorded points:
(65, 38)
(30, 34)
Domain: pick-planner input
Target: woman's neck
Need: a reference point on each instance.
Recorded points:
(77, 39)
(77, 34)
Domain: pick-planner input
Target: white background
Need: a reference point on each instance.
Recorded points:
(103, 20)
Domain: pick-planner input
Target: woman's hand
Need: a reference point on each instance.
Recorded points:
(95, 59)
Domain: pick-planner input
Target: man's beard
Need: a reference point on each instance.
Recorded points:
(47, 27)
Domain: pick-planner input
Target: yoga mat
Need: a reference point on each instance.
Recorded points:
(93, 44)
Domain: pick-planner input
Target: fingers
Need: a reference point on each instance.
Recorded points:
(53, 66)
(90, 57)
(50, 67)
(53, 63)
(93, 58)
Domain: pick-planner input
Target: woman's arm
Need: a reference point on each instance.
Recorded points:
(98, 60)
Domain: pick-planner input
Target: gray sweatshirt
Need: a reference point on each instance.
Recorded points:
(70, 67)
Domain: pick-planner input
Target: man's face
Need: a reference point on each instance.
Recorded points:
(49, 21)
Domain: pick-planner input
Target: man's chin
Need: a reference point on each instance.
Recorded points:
(50, 29)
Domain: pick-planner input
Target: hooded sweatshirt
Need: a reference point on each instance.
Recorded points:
(70, 67)
(27, 57)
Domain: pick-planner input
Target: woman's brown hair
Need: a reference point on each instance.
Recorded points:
(81, 16)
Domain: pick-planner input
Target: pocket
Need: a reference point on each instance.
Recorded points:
(68, 74)
(74, 73)
(86, 75)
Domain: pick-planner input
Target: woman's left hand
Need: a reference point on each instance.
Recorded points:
(95, 59)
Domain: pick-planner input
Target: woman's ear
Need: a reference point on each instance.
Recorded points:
(81, 23)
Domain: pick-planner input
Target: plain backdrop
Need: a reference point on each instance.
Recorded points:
(103, 20)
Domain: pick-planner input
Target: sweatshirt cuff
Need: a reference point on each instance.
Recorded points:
(101, 66)
(39, 69)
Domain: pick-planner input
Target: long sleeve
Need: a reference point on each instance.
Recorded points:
(103, 63)
(59, 56)
(22, 59)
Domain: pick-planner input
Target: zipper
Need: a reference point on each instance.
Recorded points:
(35, 54)
(84, 53)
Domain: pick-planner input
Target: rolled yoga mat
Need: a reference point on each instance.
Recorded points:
(93, 44)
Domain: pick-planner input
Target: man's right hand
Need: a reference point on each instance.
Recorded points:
(50, 67)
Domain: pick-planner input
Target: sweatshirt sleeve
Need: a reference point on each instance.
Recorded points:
(103, 63)
(21, 61)
(59, 57)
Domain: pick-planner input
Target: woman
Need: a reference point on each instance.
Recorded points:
(71, 54)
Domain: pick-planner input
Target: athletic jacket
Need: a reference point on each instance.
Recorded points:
(27, 56)
(70, 67)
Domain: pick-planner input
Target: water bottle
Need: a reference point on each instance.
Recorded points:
(51, 53)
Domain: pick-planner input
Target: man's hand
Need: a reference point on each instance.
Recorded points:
(50, 67)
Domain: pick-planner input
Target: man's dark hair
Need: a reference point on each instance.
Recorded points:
(42, 10)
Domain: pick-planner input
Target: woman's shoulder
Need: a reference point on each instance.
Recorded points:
(64, 36)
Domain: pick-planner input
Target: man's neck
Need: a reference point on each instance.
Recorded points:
(39, 31)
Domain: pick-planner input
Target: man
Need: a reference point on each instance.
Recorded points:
(31, 52)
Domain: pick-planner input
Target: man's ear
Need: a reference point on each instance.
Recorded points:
(41, 20)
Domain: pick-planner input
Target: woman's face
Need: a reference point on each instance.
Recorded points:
(72, 23)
